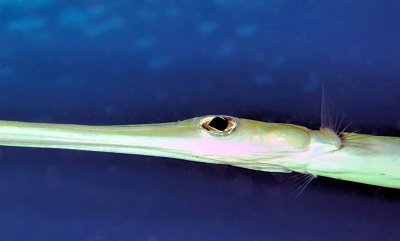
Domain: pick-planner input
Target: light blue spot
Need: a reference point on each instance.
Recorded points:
(220, 3)
(24, 3)
(159, 62)
(26, 24)
(246, 30)
(74, 17)
(42, 36)
(98, 10)
(145, 42)
(226, 3)
(110, 24)
(6, 72)
(145, 13)
(277, 61)
(263, 79)
(173, 11)
(6, 53)
(225, 50)
(207, 27)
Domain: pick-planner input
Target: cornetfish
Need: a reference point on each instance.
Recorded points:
(223, 139)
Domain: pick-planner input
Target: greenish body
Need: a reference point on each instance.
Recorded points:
(367, 159)
(270, 147)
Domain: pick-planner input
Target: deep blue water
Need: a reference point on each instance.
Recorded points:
(126, 62)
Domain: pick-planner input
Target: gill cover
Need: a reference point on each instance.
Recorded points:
(252, 144)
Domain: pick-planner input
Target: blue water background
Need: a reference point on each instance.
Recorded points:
(126, 62)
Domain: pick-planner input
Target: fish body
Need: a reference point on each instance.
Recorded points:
(220, 139)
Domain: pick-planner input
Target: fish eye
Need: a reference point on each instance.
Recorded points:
(220, 125)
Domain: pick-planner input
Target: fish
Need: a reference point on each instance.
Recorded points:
(228, 140)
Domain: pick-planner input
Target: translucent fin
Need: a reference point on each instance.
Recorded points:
(299, 180)
(326, 111)
(329, 119)
(303, 183)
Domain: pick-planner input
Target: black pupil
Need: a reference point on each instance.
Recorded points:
(219, 123)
